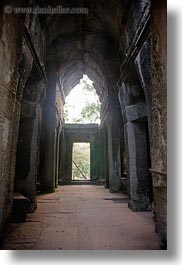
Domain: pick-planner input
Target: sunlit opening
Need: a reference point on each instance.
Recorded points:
(82, 104)
(81, 161)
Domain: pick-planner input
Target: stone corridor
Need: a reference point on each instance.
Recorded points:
(83, 217)
(120, 46)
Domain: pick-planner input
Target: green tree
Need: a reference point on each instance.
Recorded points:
(91, 112)
(87, 87)
(81, 157)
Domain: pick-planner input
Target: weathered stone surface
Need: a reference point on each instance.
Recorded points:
(14, 58)
(159, 111)
(143, 62)
(136, 112)
(138, 167)
(115, 129)
(26, 163)
(83, 218)
(51, 131)
(28, 109)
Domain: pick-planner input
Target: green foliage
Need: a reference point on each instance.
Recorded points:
(91, 112)
(87, 87)
(81, 156)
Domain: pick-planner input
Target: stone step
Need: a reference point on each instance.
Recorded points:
(82, 182)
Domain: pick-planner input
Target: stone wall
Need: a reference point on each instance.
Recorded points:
(159, 116)
(134, 111)
(28, 147)
(15, 59)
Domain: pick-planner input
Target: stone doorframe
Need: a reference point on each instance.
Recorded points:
(80, 133)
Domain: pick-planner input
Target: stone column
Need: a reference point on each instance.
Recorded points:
(62, 159)
(26, 163)
(95, 157)
(48, 163)
(69, 153)
(114, 128)
(104, 138)
(57, 156)
(29, 141)
(138, 166)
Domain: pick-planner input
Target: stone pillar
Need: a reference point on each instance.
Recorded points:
(114, 128)
(138, 166)
(26, 163)
(104, 138)
(28, 148)
(69, 154)
(57, 156)
(137, 148)
(95, 157)
(62, 159)
(49, 130)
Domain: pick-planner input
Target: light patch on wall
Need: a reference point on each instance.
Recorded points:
(5, 133)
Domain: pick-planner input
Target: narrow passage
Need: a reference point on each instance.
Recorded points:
(83, 217)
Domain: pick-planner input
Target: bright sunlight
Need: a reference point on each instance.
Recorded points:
(82, 104)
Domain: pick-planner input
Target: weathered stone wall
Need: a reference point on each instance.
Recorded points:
(28, 148)
(37, 36)
(159, 116)
(143, 63)
(134, 111)
(15, 59)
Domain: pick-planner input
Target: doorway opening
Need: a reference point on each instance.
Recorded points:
(82, 105)
(81, 161)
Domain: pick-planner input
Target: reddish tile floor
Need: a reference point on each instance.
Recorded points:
(79, 218)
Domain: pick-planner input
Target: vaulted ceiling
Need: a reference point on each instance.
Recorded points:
(85, 43)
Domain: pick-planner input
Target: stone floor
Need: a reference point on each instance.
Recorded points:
(83, 218)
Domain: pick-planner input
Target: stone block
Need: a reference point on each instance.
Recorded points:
(138, 167)
(28, 109)
(20, 208)
(136, 112)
